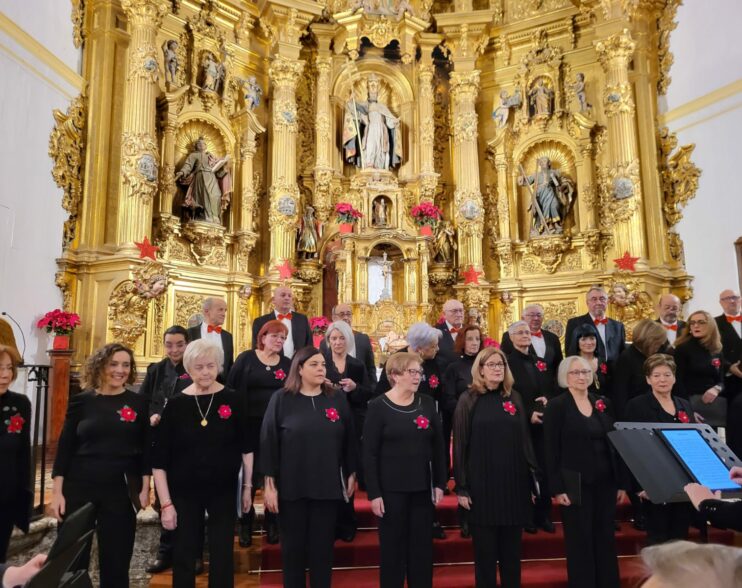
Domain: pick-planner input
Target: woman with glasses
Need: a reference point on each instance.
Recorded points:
(258, 374)
(493, 461)
(586, 343)
(701, 368)
(585, 476)
(405, 473)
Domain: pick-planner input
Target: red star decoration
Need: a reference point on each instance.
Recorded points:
(146, 249)
(626, 262)
(471, 276)
(285, 271)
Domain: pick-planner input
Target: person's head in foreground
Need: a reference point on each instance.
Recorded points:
(682, 564)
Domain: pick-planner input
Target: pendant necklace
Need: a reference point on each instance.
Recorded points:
(204, 422)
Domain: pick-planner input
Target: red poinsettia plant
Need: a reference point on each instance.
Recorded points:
(426, 213)
(319, 325)
(346, 213)
(490, 342)
(59, 322)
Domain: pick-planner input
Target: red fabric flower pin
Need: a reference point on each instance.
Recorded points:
(332, 414)
(600, 405)
(716, 362)
(604, 368)
(682, 416)
(127, 414)
(280, 374)
(422, 422)
(15, 424)
(509, 407)
(225, 411)
(184, 377)
(433, 381)
(541, 366)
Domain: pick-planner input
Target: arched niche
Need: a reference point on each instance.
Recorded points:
(375, 260)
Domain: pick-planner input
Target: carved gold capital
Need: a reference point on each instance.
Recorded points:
(465, 86)
(284, 72)
(146, 13)
(616, 51)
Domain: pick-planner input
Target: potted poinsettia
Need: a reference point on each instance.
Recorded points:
(60, 323)
(426, 216)
(347, 216)
(319, 325)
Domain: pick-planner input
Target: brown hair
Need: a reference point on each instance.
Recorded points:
(274, 326)
(460, 342)
(293, 380)
(92, 374)
(478, 384)
(399, 362)
(648, 336)
(712, 341)
(15, 359)
(659, 360)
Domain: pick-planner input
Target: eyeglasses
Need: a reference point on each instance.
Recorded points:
(414, 372)
(730, 298)
(497, 365)
(580, 373)
(697, 323)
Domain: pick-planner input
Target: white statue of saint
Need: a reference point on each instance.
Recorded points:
(386, 275)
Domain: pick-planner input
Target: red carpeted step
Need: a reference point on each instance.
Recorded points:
(535, 574)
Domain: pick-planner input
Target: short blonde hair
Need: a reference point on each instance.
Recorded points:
(203, 348)
(683, 564)
(399, 362)
(648, 336)
(478, 383)
(566, 365)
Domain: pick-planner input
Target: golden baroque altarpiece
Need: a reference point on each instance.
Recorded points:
(226, 131)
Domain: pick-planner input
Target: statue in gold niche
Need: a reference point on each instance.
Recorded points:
(540, 99)
(445, 242)
(308, 235)
(551, 197)
(208, 181)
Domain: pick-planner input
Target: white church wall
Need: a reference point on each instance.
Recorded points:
(38, 69)
(704, 106)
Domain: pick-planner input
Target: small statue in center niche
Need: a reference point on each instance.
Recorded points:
(540, 99)
(213, 73)
(169, 51)
(308, 236)
(371, 133)
(380, 217)
(551, 197)
(444, 243)
(208, 181)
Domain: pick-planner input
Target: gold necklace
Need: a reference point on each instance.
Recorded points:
(204, 421)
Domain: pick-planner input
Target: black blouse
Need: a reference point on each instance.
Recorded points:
(15, 445)
(533, 378)
(456, 379)
(697, 368)
(163, 381)
(257, 381)
(403, 447)
(356, 371)
(432, 382)
(308, 444)
(647, 409)
(104, 437)
(202, 459)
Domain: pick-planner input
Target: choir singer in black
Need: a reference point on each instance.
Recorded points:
(308, 455)
(405, 470)
(493, 465)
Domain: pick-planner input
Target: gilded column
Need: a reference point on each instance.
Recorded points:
(139, 154)
(323, 121)
(426, 128)
(284, 193)
(614, 54)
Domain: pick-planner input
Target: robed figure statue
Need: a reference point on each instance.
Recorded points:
(552, 194)
(209, 183)
(380, 145)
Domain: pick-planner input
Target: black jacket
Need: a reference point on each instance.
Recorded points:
(615, 335)
(682, 325)
(227, 344)
(721, 514)
(697, 368)
(356, 371)
(301, 333)
(364, 353)
(731, 342)
(155, 387)
(446, 344)
(629, 380)
(533, 377)
(646, 409)
(431, 384)
(553, 356)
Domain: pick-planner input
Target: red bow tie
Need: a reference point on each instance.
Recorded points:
(603, 321)
(286, 316)
(213, 329)
(537, 334)
(671, 327)
(734, 319)
(454, 330)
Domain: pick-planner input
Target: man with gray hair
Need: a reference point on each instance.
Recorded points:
(544, 344)
(611, 332)
(453, 322)
(214, 311)
(668, 309)
(300, 333)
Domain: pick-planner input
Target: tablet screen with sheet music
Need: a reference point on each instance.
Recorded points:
(698, 458)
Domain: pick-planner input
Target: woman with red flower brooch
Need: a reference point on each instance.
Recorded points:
(202, 443)
(665, 522)
(103, 458)
(15, 451)
(700, 368)
(257, 374)
(587, 343)
(493, 465)
(309, 458)
(405, 466)
(585, 474)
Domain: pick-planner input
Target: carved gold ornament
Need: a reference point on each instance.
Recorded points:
(139, 164)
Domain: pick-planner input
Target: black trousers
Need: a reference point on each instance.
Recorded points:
(165, 549)
(7, 512)
(115, 526)
(222, 511)
(542, 505)
(307, 539)
(269, 518)
(493, 545)
(447, 419)
(406, 540)
(589, 537)
(347, 522)
(667, 522)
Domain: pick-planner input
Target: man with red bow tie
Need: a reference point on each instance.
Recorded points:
(300, 334)
(453, 314)
(668, 309)
(611, 332)
(730, 329)
(544, 344)
(214, 311)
